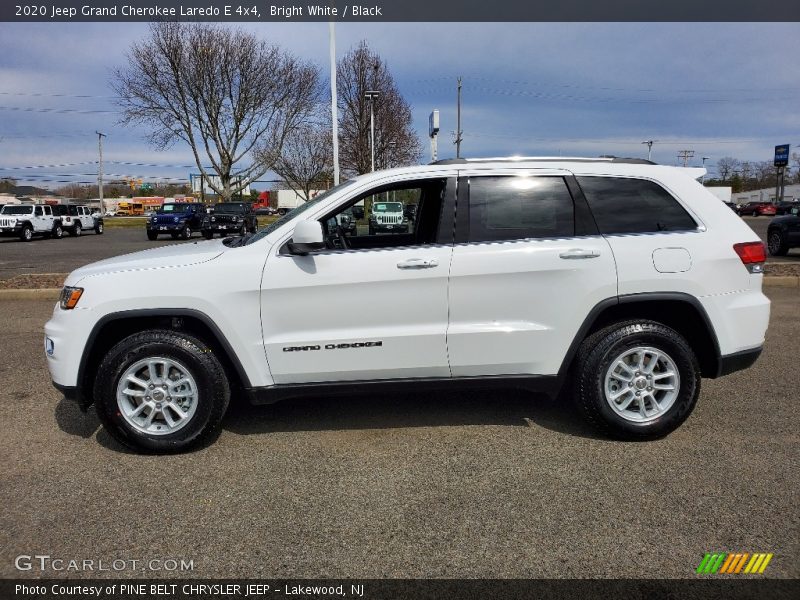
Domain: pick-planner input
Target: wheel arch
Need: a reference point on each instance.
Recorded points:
(114, 327)
(682, 312)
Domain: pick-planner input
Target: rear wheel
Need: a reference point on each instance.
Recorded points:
(77, 230)
(98, 228)
(161, 391)
(776, 244)
(637, 380)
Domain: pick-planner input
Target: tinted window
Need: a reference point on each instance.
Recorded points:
(513, 208)
(622, 205)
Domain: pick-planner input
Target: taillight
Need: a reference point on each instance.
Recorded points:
(753, 255)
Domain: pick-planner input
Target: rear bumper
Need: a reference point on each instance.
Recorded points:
(738, 361)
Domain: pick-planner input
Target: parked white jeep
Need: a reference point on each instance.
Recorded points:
(618, 282)
(75, 219)
(26, 220)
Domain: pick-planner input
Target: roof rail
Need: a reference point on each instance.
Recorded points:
(611, 159)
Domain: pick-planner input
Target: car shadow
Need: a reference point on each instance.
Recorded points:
(509, 407)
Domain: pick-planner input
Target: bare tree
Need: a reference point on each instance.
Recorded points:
(220, 90)
(306, 162)
(7, 184)
(726, 167)
(396, 142)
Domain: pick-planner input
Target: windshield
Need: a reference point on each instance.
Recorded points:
(174, 208)
(391, 207)
(298, 211)
(230, 207)
(17, 210)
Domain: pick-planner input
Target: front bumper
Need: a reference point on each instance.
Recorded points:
(9, 231)
(166, 228)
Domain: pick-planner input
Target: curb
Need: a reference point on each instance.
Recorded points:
(26, 294)
(54, 293)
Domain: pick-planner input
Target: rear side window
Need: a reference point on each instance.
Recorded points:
(515, 208)
(621, 205)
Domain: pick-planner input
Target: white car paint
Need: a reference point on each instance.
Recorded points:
(477, 309)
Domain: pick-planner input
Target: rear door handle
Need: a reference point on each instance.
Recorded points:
(418, 263)
(576, 253)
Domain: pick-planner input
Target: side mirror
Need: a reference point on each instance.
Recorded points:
(307, 238)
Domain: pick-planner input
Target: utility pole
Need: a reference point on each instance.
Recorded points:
(458, 122)
(685, 155)
(703, 179)
(649, 144)
(100, 137)
(334, 102)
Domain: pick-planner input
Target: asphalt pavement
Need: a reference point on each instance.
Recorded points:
(500, 484)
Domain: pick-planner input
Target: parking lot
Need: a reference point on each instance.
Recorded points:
(497, 484)
(68, 253)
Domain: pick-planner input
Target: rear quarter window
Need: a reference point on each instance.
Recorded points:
(622, 205)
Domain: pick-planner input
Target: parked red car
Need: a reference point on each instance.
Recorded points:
(757, 209)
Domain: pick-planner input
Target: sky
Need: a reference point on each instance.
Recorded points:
(573, 89)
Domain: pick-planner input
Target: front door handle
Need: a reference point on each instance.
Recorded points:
(418, 263)
(577, 253)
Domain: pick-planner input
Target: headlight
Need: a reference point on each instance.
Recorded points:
(213, 219)
(154, 219)
(70, 297)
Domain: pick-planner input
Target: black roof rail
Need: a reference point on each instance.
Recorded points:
(449, 161)
(632, 161)
(613, 159)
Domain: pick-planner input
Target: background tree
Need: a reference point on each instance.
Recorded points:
(220, 90)
(306, 162)
(396, 142)
(726, 166)
(7, 184)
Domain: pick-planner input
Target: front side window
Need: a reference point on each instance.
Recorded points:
(519, 207)
(622, 205)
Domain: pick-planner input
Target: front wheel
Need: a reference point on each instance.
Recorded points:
(161, 391)
(776, 245)
(57, 232)
(637, 380)
(152, 235)
(186, 232)
(26, 235)
(208, 234)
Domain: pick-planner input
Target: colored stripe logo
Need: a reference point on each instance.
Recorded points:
(734, 563)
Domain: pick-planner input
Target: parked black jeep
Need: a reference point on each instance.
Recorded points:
(230, 218)
(179, 219)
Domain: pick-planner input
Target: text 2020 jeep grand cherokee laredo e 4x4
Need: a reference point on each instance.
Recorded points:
(621, 282)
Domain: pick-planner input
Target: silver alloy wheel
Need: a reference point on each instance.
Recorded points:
(78, 229)
(157, 395)
(642, 384)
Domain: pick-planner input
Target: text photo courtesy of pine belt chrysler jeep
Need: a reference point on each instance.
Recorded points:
(618, 282)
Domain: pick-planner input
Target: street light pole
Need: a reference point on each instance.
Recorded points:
(372, 94)
(334, 108)
(100, 137)
(703, 179)
(649, 147)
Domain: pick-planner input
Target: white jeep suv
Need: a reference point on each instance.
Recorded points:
(619, 281)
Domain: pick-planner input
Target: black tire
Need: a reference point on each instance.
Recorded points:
(186, 232)
(594, 359)
(777, 244)
(57, 232)
(152, 235)
(99, 228)
(243, 230)
(77, 229)
(212, 398)
(254, 228)
(26, 235)
(371, 230)
(208, 234)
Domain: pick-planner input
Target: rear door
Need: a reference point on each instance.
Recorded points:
(528, 266)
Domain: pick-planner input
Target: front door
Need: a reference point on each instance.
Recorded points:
(371, 306)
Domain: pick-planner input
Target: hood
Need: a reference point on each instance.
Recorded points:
(176, 255)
